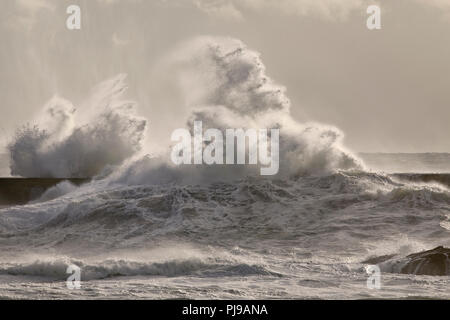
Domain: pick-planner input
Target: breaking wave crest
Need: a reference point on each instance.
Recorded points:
(113, 216)
(223, 84)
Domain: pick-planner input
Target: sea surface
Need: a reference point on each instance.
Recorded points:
(301, 238)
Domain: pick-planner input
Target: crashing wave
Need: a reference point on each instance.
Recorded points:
(61, 145)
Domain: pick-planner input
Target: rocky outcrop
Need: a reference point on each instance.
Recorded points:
(435, 262)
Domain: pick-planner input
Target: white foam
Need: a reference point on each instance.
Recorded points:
(64, 145)
(224, 84)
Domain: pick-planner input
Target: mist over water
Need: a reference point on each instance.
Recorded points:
(64, 145)
(224, 85)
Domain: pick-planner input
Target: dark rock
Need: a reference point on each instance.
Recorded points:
(435, 262)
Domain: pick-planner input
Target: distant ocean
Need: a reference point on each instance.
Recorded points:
(408, 162)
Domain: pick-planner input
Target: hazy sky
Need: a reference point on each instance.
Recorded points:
(388, 90)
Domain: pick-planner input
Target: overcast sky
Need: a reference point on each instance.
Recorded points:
(388, 90)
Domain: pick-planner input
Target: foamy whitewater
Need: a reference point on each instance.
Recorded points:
(144, 228)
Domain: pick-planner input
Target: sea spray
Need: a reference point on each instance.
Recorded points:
(224, 85)
(61, 145)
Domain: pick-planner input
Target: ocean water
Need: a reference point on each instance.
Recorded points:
(146, 229)
(303, 238)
